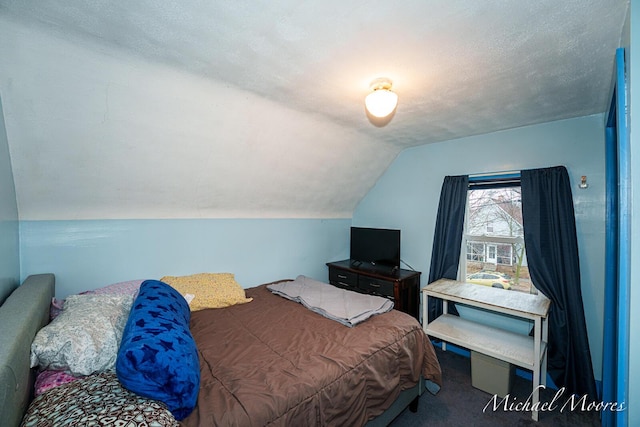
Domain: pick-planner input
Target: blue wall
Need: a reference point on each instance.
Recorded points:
(407, 195)
(9, 243)
(634, 294)
(89, 254)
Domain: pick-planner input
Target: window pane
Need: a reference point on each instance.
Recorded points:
(505, 254)
(475, 251)
(494, 240)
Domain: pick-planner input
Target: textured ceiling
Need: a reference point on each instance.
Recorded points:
(460, 68)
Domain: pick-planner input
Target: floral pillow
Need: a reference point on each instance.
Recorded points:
(130, 287)
(208, 290)
(84, 337)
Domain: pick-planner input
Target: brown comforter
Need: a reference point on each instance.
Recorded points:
(274, 362)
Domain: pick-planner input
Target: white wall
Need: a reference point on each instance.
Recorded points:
(95, 133)
(407, 195)
(9, 255)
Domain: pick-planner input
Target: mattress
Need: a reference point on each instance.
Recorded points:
(274, 362)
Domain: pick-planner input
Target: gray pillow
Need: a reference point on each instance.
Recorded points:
(85, 337)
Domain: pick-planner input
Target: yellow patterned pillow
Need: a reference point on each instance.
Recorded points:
(209, 290)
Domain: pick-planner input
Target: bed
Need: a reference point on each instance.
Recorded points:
(270, 361)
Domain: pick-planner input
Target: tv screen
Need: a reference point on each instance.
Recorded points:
(375, 246)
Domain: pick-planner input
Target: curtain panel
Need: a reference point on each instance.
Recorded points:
(447, 238)
(554, 267)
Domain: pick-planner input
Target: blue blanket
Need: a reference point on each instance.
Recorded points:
(158, 357)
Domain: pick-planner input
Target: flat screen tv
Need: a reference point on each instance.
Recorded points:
(375, 247)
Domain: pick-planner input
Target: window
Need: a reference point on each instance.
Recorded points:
(494, 236)
(505, 254)
(475, 251)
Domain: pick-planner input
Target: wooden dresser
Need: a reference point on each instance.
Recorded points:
(401, 286)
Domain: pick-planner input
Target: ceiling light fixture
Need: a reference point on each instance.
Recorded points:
(381, 101)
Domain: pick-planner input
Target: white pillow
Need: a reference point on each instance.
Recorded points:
(85, 337)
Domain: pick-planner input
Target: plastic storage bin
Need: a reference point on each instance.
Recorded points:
(491, 375)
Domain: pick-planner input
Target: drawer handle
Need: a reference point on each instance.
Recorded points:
(340, 276)
(374, 285)
(343, 284)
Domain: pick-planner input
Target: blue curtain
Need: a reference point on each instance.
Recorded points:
(445, 255)
(554, 266)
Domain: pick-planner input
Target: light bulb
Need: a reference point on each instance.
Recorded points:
(381, 102)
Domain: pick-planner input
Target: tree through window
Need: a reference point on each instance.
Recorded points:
(494, 239)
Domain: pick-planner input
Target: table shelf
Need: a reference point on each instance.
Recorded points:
(509, 346)
(529, 352)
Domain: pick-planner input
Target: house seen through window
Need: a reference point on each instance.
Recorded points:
(494, 238)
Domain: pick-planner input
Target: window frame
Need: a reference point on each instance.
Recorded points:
(483, 182)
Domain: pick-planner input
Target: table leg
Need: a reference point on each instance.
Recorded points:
(425, 301)
(445, 310)
(536, 367)
(545, 340)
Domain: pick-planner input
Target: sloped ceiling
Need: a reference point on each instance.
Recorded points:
(182, 109)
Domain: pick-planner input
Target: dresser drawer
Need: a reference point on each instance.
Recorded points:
(372, 285)
(343, 278)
